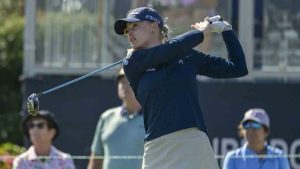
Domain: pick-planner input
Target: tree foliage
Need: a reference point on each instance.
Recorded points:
(7, 153)
(11, 54)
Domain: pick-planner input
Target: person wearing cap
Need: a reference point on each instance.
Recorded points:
(42, 130)
(255, 153)
(120, 132)
(162, 73)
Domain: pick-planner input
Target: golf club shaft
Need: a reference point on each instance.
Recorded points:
(78, 79)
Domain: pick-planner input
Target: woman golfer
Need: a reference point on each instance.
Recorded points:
(162, 74)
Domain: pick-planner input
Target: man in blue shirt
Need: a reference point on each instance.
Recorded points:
(255, 153)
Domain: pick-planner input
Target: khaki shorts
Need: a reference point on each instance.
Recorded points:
(184, 149)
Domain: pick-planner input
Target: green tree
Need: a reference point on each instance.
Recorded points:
(7, 151)
(11, 54)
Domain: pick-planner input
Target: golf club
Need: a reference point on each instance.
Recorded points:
(33, 99)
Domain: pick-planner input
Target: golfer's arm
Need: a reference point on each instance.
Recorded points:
(94, 163)
(140, 60)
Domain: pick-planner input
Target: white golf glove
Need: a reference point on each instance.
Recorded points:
(220, 26)
(214, 19)
(201, 25)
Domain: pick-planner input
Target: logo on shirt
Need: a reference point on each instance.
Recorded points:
(150, 70)
(181, 62)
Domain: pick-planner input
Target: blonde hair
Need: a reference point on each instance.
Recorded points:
(165, 33)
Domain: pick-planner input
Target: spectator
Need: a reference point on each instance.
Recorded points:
(162, 73)
(42, 130)
(254, 128)
(120, 132)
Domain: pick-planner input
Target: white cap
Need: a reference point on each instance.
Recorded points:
(258, 115)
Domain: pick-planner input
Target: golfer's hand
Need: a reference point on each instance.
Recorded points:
(218, 25)
(202, 26)
(214, 19)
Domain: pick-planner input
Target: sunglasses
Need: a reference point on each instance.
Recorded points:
(252, 125)
(39, 125)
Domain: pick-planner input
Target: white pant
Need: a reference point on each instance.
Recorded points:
(185, 149)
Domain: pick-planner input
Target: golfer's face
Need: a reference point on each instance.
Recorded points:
(139, 34)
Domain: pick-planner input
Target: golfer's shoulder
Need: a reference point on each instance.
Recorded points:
(136, 54)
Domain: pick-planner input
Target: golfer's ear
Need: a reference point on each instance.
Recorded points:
(154, 27)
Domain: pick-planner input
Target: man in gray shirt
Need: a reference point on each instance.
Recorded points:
(120, 132)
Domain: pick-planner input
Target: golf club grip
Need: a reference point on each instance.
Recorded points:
(78, 79)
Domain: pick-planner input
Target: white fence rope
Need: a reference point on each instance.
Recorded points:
(5, 158)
